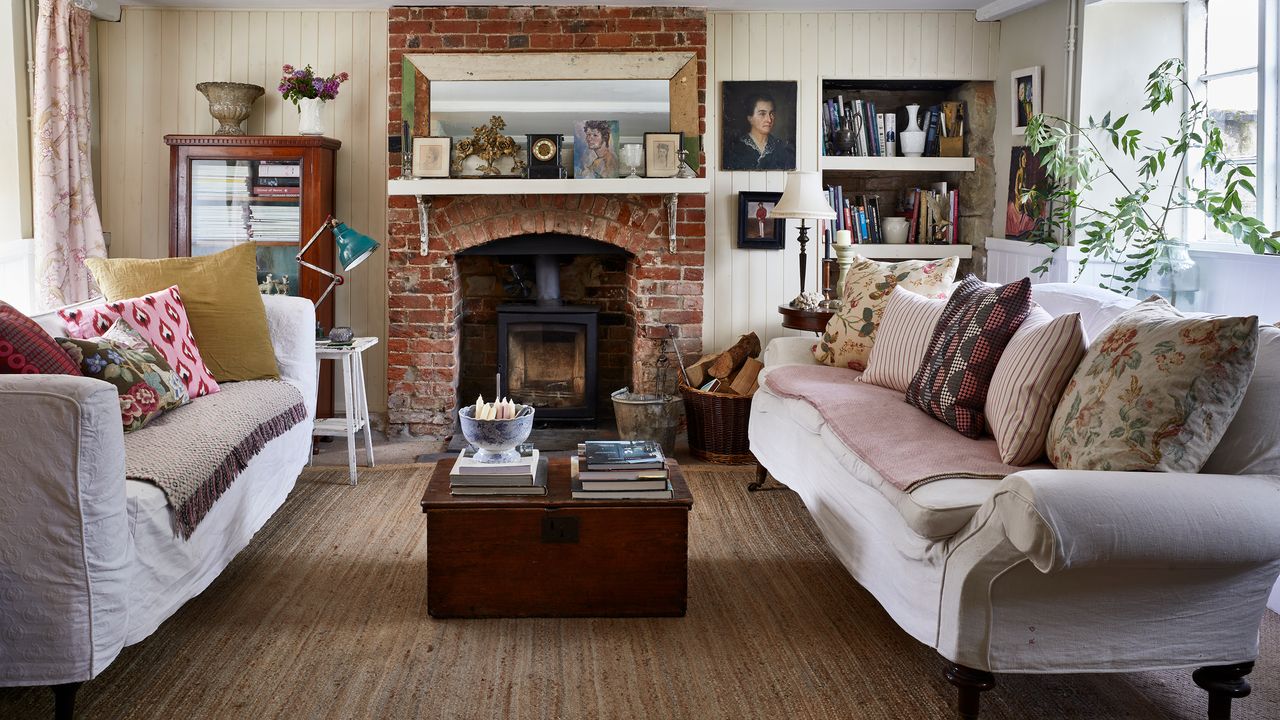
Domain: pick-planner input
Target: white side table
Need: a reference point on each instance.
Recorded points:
(357, 403)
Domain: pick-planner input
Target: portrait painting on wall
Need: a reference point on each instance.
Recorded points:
(756, 230)
(1023, 214)
(595, 149)
(1025, 93)
(758, 125)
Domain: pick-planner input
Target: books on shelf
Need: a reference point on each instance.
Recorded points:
(853, 126)
(859, 214)
(279, 168)
(930, 214)
(527, 477)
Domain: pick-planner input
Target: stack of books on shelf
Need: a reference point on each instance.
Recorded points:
(528, 476)
(859, 214)
(620, 470)
(933, 210)
(219, 182)
(872, 131)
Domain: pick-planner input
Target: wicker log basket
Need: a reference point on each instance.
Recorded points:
(718, 426)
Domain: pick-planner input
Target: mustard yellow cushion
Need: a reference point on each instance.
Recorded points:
(220, 291)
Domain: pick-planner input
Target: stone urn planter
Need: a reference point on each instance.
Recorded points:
(230, 104)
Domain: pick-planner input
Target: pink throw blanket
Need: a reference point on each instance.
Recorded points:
(907, 447)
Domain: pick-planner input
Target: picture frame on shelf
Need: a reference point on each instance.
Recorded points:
(596, 148)
(756, 230)
(431, 156)
(662, 154)
(1025, 95)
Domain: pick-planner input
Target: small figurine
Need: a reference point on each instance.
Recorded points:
(266, 287)
(282, 286)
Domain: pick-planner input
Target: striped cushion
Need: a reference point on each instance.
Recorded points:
(951, 384)
(1035, 368)
(905, 331)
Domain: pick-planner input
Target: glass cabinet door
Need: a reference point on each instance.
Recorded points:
(235, 201)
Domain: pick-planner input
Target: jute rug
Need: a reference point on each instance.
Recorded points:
(323, 616)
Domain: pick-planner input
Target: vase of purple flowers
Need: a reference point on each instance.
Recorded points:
(308, 92)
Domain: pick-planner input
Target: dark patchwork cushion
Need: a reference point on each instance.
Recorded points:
(146, 384)
(26, 348)
(951, 384)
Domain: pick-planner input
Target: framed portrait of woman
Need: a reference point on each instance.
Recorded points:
(756, 230)
(758, 125)
(596, 144)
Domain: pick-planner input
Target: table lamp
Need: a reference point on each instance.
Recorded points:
(353, 249)
(804, 199)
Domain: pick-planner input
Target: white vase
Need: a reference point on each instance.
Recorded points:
(912, 138)
(894, 230)
(311, 116)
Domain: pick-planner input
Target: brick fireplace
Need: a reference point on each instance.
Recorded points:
(426, 293)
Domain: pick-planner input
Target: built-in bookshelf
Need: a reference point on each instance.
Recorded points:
(857, 165)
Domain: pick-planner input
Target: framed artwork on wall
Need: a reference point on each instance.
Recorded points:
(756, 230)
(1025, 95)
(662, 154)
(595, 149)
(431, 156)
(758, 125)
(1023, 214)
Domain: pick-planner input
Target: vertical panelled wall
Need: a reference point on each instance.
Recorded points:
(149, 64)
(744, 287)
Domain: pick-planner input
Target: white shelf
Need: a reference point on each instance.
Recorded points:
(913, 252)
(897, 164)
(525, 186)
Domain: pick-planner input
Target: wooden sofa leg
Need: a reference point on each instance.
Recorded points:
(762, 476)
(1224, 683)
(64, 701)
(971, 684)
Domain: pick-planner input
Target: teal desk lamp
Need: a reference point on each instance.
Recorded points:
(353, 249)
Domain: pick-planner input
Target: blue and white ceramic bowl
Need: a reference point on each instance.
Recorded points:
(496, 440)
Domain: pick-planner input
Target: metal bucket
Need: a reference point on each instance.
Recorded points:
(648, 417)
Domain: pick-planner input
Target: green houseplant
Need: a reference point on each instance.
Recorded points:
(1131, 233)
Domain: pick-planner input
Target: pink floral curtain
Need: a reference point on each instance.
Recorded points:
(67, 227)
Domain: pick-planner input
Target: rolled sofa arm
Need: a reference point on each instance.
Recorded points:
(1070, 518)
(292, 324)
(788, 350)
(64, 529)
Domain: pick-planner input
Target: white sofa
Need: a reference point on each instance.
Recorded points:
(89, 561)
(1050, 571)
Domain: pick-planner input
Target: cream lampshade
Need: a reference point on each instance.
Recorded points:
(804, 199)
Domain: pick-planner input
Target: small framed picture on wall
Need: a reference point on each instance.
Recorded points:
(662, 154)
(1024, 93)
(756, 230)
(431, 157)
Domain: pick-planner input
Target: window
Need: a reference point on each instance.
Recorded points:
(1230, 67)
(16, 270)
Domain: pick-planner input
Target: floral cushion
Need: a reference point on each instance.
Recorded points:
(26, 348)
(1155, 392)
(951, 384)
(851, 332)
(161, 319)
(146, 384)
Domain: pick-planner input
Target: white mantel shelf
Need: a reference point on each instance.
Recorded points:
(437, 187)
(897, 164)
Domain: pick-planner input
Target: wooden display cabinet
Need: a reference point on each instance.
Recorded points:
(275, 190)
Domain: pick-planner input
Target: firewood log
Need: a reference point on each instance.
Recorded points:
(728, 361)
(745, 378)
(697, 372)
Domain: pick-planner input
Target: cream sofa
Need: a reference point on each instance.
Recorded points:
(1052, 571)
(89, 561)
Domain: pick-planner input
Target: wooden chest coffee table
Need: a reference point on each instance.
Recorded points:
(553, 556)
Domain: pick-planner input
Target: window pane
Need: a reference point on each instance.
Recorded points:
(1248, 202)
(1232, 35)
(1233, 103)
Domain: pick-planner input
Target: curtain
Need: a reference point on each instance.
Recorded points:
(67, 226)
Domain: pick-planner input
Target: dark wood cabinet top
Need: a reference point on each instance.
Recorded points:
(559, 492)
(302, 141)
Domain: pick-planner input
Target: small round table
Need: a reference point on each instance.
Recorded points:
(797, 319)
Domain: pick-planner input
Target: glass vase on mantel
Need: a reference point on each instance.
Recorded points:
(1174, 275)
(310, 116)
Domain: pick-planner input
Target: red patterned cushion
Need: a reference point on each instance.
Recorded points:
(161, 319)
(951, 384)
(26, 348)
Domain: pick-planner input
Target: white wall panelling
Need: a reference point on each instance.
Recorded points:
(149, 65)
(744, 287)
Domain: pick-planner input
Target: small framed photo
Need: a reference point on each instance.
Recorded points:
(756, 230)
(662, 154)
(1025, 94)
(431, 156)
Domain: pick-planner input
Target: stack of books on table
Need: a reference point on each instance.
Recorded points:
(528, 476)
(620, 470)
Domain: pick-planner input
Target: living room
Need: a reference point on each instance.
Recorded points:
(834, 359)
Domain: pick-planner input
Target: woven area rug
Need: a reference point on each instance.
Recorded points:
(324, 616)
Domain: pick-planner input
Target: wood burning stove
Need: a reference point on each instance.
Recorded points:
(547, 358)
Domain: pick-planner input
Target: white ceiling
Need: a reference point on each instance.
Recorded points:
(790, 5)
